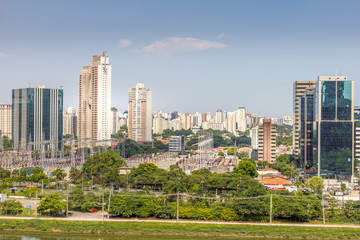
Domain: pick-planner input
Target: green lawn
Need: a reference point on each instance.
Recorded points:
(185, 230)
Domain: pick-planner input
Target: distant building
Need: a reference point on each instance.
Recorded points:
(6, 120)
(231, 122)
(357, 131)
(254, 135)
(174, 115)
(267, 142)
(299, 88)
(160, 124)
(177, 144)
(240, 116)
(140, 113)
(37, 117)
(306, 128)
(70, 122)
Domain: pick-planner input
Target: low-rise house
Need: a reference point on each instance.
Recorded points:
(277, 183)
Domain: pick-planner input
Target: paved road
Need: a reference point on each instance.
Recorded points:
(98, 217)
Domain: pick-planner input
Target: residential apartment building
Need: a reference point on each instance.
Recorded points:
(70, 122)
(177, 144)
(240, 116)
(95, 118)
(140, 113)
(6, 120)
(267, 142)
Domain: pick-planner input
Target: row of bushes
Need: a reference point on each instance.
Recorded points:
(257, 209)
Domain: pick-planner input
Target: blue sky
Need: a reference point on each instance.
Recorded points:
(195, 55)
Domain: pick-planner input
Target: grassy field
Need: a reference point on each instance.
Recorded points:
(150, 230)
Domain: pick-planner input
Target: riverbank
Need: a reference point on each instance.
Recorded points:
(186, 229)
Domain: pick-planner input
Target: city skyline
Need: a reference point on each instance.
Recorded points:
(202, 58)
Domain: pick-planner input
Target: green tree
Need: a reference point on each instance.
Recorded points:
(246, 168)
(230, 151)
(241, 155)
(10, 207)
(75, 175)
(52, 204)
(59, 174)
(103, 167)
(316, 184)
(4, 174)
(262, 164)
(221, 154)
(7, 143)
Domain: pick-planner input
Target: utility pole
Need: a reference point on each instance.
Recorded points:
(109, 204)
(36, 213)
(42, 185)
(323, 207)
(67, 204)
(177, 207)
(270, 208)
(102, 206)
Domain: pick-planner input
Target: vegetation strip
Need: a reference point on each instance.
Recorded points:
(185, 229)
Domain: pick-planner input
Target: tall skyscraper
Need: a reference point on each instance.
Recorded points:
(267, 142)
(299, 88)
(6, 120)
(357, 131)
(140, 113)
(334, 127)
(37, 117)
(306, 128)
(95, 118)
(70, 122)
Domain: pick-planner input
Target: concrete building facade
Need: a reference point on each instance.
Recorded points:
(95, 118)
(267, 142)
(6, 120)
(70, 122)
(140, 113)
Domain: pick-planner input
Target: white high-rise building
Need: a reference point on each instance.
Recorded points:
(140, 113)
(70, 122)
(95, 118)
(6, 120)
(254, 135)
(240, 116)
(231, 122)
(160, 124)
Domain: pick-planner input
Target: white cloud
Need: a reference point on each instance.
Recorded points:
(124, 42)
(221, 35)
(2, 55)
(179, 44)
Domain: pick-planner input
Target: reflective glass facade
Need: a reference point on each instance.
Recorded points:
(334, 128)
(306, 129)
(336, 148)
(38, 116)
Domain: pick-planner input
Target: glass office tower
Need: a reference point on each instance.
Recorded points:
(306, 128)
(333, 136)
(37, 118)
